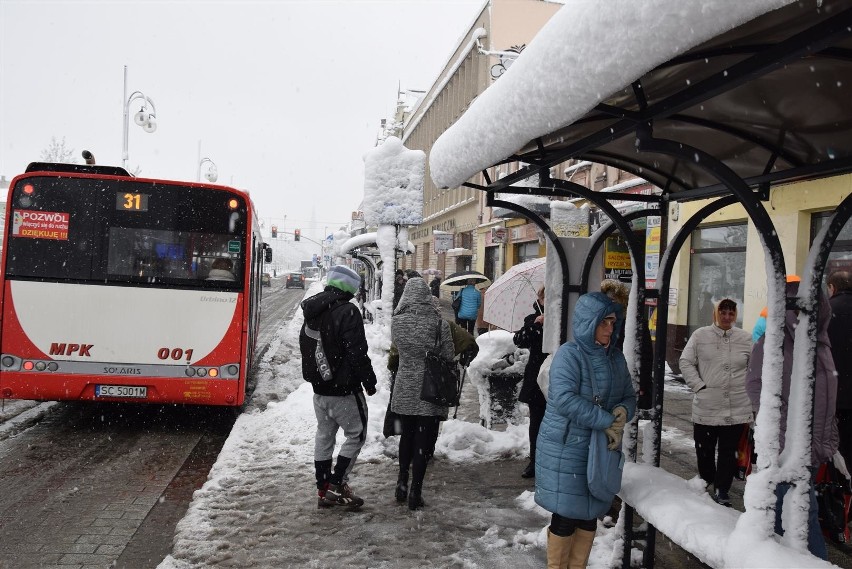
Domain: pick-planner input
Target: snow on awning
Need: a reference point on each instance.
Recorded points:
(459, 252)
(539, 205)
(580, 57)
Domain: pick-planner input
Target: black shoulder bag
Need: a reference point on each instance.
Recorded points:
(441, 377)
(393, 424)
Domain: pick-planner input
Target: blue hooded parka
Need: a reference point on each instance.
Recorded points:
(563, 441)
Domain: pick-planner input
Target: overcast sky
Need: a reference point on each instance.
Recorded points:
(285, 96)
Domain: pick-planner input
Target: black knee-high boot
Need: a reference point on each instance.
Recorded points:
(402, 485)
(415, 499)
(340, 469)
(323, 471)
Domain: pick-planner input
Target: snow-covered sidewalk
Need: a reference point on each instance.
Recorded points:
(258, 508)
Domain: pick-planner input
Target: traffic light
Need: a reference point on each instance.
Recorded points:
(297, 234)
(275, 232)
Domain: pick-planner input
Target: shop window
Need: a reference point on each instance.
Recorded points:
(716, 271)
(840, 257)
(526, 251)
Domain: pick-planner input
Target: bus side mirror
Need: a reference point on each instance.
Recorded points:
(268, 254)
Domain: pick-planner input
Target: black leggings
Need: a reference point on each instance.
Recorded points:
(536, 416)
(718, 472)
(416, 446)
(563, 527)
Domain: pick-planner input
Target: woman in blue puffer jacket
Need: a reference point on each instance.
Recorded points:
(470, 301)
(563, 441)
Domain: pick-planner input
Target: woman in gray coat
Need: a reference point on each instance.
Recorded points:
(824, 436)
(714, 364)
(416, 327)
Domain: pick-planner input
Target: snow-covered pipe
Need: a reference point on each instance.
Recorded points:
(365, 239)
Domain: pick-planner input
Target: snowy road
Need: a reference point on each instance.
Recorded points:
(104, 484)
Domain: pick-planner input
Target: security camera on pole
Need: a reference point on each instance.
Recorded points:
(393, 201)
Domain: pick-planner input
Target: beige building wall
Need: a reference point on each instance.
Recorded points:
(514, 19)
(790, 207)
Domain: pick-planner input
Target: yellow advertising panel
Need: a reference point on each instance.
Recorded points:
(616, 254)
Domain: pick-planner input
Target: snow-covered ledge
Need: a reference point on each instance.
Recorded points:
(365, 239)
(583, 54)
(688, 516)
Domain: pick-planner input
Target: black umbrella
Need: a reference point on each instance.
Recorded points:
(460, 279)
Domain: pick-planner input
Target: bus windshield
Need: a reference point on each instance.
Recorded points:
(125, 231)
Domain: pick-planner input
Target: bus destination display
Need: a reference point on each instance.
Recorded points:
(128, 201)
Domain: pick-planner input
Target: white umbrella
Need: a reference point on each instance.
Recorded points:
(510, 298)
(461, 278)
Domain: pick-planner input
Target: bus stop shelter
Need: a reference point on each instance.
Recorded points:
(709, 100)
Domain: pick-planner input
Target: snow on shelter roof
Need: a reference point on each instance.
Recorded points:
(763, 86)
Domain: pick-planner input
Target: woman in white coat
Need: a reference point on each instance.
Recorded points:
(714, 365)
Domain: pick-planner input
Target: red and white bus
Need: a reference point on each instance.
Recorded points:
(110, 293)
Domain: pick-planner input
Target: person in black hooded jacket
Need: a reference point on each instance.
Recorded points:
(336, 363)
(530, 336)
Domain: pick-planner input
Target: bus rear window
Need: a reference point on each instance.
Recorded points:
(171, 255)
(124, 231)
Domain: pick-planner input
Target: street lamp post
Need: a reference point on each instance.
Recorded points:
(145, 119)
(212, 174)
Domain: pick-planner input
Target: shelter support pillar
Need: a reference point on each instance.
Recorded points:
(771, 392)
(664, 276)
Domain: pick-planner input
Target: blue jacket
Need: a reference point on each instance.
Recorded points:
(471, 299)
(759, 329)
(563, 442)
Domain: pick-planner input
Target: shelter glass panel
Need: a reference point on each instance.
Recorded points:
(716, 271)
(840, 257)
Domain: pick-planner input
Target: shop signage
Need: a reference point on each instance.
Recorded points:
(652, 250)
(442, 242)
(616, 254)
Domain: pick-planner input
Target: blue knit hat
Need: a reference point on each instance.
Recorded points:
(343, 278)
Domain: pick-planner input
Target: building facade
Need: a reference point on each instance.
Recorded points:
(497, 35)
(725, 258)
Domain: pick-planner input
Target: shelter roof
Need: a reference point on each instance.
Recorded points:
(766, 91)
